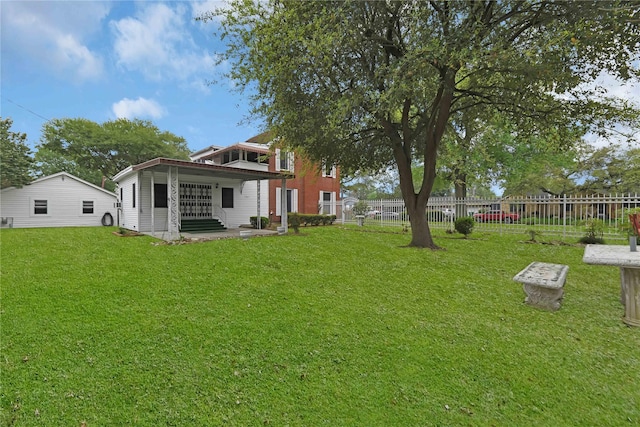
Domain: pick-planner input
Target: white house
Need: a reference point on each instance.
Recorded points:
(58, 200)
(167, 196)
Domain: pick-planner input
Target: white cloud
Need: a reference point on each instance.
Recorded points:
(206, 8)
(138, 108)
(628, 91)
(55, 34)
(158, 44)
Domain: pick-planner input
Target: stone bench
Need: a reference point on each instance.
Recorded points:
(543, 283)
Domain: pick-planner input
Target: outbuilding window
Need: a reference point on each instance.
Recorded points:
(87, 207)
(40, 207)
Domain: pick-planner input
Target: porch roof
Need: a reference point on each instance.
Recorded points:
(162, 164)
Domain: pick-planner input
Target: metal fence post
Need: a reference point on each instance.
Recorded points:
(564, 216)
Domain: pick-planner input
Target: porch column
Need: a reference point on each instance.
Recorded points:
(283, 206)
(153, 204)
(259, 218)
(174, 200)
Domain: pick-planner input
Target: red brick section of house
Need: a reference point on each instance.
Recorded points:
(308, 188)
(308, 182)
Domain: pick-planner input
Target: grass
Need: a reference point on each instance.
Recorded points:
(332, 327)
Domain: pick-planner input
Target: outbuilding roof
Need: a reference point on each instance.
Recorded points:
(67, 175)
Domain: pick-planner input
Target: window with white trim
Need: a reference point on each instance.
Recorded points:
(87, 207)
(328, 170)
(40, 207)
(327, 202)
(292, 200)
(284, 160)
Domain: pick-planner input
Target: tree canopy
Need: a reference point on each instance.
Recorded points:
(370, 84)
(96, 152)
(15, 157)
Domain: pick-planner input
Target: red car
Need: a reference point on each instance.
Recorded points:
(496, 216)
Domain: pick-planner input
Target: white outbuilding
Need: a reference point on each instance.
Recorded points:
(58, 200)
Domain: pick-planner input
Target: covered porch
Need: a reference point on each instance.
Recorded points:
(175, 197)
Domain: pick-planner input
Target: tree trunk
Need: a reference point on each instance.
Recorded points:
(416, 204)
(420, 231)
(460, 193)
(437, 118)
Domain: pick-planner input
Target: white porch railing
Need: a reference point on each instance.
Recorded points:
(219, 214)
(559, 216)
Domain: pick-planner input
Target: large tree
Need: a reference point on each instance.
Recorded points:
(611, 169)
(96, 152)
(370, 84)
(15, 157)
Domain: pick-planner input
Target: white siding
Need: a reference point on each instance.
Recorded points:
(129, 214)
(65, 195)
(161, 215)
(245, 204)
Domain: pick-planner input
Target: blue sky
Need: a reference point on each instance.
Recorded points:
(147, 60)
(105, 60)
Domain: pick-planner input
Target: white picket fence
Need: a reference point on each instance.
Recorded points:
(547, 215)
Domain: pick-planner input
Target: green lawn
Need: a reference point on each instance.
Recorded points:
(333, 327)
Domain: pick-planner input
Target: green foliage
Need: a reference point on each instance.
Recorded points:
(297, 219)
(626, 227)
(264, 222)
(294, 221)
(533, 233)
(611, 169)
(329, 329)
(312, 219)
(594, 231)
(361, 207)
(92, 151)
(464, 225)
(371, 84)
(16, 162)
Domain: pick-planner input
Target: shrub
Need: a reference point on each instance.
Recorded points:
(313, 219)
(294, 222)
(360, 208)
(264, 221)
(464, 225)
(297, 219)
(594, 229)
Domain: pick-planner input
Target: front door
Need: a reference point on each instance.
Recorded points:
(195, 201)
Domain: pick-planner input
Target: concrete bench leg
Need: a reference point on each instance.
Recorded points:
(545, 298)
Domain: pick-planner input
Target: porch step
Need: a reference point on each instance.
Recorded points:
(201, 225)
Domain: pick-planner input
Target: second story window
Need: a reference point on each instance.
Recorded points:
(230, 156)
(328, 170)
(284, 160)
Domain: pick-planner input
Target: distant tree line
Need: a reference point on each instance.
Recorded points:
(91, 151)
